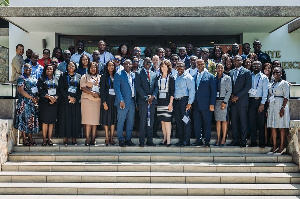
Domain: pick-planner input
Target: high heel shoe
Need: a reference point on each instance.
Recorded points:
(168, 145)
(107, 142)
(87, 143)
(272, 152)
(112, 142)
(280, 153)
(44, 143)
(50, 143)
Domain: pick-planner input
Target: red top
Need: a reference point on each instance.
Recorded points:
(42, 63)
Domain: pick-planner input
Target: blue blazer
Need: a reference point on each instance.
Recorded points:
(144, 87)
(241, 86)
(122, 88)
(206, 92)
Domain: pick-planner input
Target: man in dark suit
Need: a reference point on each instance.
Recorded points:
(147, 89)
(241, 84)
(205, 101)
(124, 87)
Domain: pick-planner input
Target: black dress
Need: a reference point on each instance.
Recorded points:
(107, 117)
(167, 86)
(48, 112)
(69, 114)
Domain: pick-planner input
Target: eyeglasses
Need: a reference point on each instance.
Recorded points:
(137, 51)
(67, 53)
(54, 62)
(255, 66)
(71, 66)
(276, 72)
(46, 53)
(135, 62)
(174, 59)
(148, 62)
(117, 59)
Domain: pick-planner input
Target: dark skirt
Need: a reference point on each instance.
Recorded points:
(109, 117)
(163, 112)
(69, 120)
(48, 112)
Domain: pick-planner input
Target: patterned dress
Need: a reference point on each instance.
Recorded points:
(280, 90)
(26, 119)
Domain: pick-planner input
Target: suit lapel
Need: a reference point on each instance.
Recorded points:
(124, 74)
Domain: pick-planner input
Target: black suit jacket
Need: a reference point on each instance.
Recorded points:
(241, 86)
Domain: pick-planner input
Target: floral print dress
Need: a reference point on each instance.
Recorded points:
(26, 119)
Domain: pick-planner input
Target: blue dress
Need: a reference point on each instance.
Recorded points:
(26, 119)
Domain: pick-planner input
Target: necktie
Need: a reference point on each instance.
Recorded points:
(148, 75)
(235, 75)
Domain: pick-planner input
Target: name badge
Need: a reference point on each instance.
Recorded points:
(52, 91)
(34, 90)
(72, 89)
(218, 94)
(111, 91)
(96, 89)
(162, 95)
(185, 119)
(148, 121)
(272, 99)
(252, 91)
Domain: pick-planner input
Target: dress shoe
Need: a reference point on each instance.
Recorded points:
(163, 143)
(141, 144)
(243, 145)
(280, 153)
(217, 144)
(122, 143)
(178, 144)
(129, 143)
(198, 143)
(272, 151)
(186, 144)
(234, 143)
(253, 144)
(150, 144)
(207, 144)
(168, 145)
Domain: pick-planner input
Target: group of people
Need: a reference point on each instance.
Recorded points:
(75, 90)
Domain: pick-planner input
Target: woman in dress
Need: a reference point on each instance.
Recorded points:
(84, 63)
(278, 112)
(108, 117)
(48, 90)
(224, 90)
(228, 65)
(70, 109)
(166, 85)
(277, 63)
(90, 102)
(26, 119)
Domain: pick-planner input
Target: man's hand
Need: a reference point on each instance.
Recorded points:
(150, 99)
(261, 108)
(234, 99)
(188, 107)
(122, 105)
(211, 108)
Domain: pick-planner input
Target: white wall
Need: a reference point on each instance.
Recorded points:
(151, 3)
(280, 40)
(4, 41)
(32, 40)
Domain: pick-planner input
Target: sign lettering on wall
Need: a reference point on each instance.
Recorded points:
(285, 64)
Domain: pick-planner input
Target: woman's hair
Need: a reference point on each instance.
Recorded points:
(254, 56)
(106, 67)
(168, 64)
(61, 59)
(80, 60)
(90, 65)
(45, 68)
(244, 62)
(214, 50)
(264, 66)
(74, 65)
(276, 60)
(228, 59)
(128, 54)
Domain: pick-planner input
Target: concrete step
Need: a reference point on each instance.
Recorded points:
(140, 197)
(146, 157)
(145, 189)
(149, 177)
(136, 149)
(180, 167)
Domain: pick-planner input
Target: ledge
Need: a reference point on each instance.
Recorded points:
(210, 11)
(295, 25)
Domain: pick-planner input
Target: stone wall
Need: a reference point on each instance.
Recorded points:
(4, 64)
(293, 139)
(7, 139)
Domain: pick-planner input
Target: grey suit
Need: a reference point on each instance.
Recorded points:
(224, 89)
(239, 115)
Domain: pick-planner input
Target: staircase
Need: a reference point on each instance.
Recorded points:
(186, 172)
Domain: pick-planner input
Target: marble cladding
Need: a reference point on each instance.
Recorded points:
(3, 64)
(7, 139)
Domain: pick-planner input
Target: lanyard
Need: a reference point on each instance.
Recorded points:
(49, 82)
(109, 82)
(75, 80)
(165, 82)
(218, 84)
(257, 81)
(200, 79)
(273, 86)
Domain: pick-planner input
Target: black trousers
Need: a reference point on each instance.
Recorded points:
(257, 121)
(239, 123)
(144, 129)
(184, 130)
